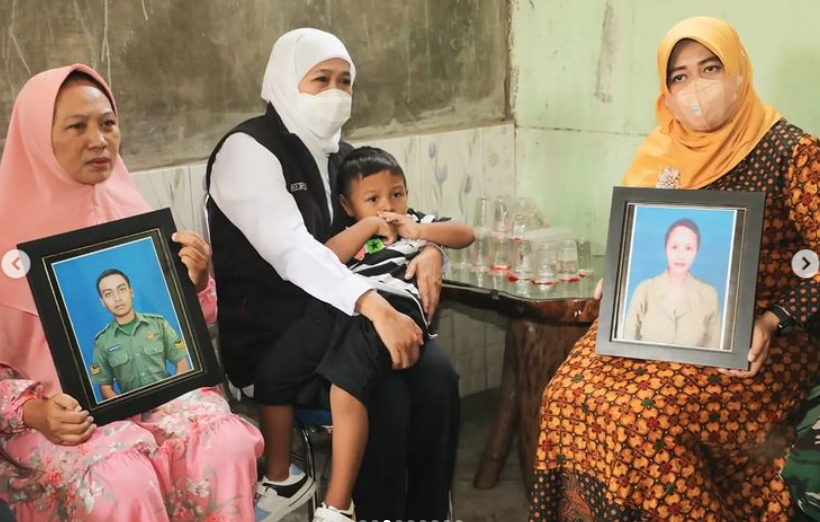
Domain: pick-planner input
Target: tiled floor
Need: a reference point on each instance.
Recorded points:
(505, 503)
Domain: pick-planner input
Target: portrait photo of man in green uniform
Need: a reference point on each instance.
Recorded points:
(133, 350)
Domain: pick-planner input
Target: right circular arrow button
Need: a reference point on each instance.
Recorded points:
(805, 264)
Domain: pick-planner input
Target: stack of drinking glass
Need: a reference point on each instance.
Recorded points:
(514, 242)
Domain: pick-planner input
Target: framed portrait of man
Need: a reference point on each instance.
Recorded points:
(680, 276)
(121, 316)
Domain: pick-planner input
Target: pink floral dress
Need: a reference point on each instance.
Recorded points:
(189, 459)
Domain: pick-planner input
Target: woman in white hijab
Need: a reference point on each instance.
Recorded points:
(286, 300)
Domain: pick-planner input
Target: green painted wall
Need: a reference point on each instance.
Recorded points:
(584, 83)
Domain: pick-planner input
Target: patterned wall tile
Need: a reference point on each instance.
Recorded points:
(450, 169)
(198, 196)
(498, 160)
(169, 187)
(406, 152)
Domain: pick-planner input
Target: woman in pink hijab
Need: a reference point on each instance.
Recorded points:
(190, 459)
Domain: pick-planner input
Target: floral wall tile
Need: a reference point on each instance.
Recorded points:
(450, 170)
(168, 187)
(406, 152)
(498, 160)
(198, 197)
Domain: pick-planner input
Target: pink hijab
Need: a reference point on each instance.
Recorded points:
(38, 198)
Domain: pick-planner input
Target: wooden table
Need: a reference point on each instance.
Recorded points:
(543, 324)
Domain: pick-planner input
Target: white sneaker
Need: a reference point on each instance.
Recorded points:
(331, 514)
(274, 501)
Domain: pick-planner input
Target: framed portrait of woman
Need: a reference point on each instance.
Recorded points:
(680, 276)
(121, 316)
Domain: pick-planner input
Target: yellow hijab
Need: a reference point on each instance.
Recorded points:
(702, 157)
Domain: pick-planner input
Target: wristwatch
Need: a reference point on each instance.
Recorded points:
(786, 324)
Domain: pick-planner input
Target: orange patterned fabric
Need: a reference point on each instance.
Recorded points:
(625, 440)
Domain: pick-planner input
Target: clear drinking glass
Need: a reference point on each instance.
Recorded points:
(500, 253)
(459, 260)
(502, 220)
(546, 263)
(568, 261)
(523, 264)
(522, 215)
(585, 267)
(482, 220)
(480, 252)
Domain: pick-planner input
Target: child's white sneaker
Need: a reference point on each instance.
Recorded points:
(330, 514)
(274, 500)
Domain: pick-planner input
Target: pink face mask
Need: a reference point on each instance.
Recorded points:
(704, 105)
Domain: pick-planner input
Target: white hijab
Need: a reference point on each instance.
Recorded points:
(293, 55)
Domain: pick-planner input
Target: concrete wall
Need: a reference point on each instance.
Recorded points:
(185, 71)
(585, 81)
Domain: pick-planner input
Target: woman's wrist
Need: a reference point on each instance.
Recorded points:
(372, 305)
(33, 412)
(770, 322)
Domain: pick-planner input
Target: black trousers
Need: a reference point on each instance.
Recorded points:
(408, 465)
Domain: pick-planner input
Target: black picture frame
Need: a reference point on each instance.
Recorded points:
(620, 332)
(151, 231)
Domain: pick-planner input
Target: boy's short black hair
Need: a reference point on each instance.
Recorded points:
(366, 161)
(110, 272)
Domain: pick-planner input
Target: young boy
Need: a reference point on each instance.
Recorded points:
(387, 234)
(385, 237)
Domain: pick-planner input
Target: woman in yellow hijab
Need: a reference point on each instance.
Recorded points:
(630, 440)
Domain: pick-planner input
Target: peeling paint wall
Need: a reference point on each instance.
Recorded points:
(585, 82)
(185, 71)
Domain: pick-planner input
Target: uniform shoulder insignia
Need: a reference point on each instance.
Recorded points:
(95, 369)
(152, 316)
(97, 336)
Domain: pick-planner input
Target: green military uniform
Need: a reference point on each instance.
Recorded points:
(802, 470)
(134, 354)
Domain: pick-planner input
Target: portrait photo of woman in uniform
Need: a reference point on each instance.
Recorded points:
(678, 276)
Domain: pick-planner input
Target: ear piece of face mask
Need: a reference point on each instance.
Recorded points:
(704, 105)
(325, 113)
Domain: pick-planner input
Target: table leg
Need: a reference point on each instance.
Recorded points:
(500, 438)
(540, 349)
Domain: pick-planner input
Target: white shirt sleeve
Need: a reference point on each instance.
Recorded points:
(248, 186)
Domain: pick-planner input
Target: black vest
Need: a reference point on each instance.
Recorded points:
(255, 304)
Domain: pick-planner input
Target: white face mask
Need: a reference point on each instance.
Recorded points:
(325, 113)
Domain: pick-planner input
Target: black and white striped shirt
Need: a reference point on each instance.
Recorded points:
(386, 265)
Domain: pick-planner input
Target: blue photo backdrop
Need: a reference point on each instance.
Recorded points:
(77, 279)
(648, 254)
